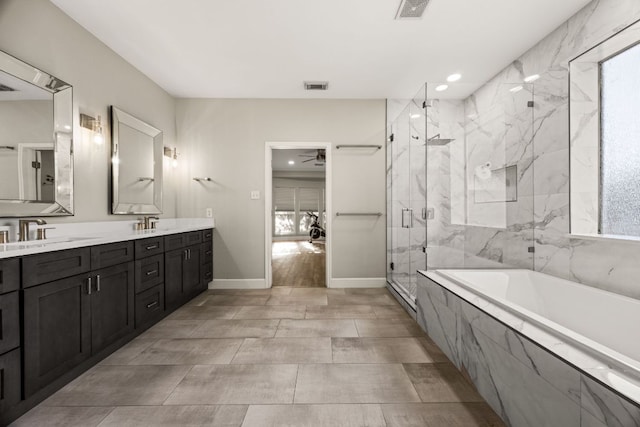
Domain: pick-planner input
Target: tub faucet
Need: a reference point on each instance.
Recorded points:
(23, 226)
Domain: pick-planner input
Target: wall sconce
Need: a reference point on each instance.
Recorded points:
(172, 154)
(94, 125)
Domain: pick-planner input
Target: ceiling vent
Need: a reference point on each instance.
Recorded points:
(316, 85)
(4, 88)
(411, 9)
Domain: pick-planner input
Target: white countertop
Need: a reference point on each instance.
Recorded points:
(76, 235)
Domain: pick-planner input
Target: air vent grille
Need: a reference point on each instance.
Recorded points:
(411, 9)
(316, 85)
(4, 88)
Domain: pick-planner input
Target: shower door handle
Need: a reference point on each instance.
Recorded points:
(405, 223)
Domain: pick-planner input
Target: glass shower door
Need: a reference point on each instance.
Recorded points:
(406, 198)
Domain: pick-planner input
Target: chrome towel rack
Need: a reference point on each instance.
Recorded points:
(377, 147)
(359, 214)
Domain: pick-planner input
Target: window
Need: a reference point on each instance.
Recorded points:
(604, 107)
(620, 144)
(290, 210)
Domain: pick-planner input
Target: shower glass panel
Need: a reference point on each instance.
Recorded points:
(479, 155)
(406, 194)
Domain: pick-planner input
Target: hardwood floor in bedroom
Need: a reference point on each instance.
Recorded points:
(299, 264)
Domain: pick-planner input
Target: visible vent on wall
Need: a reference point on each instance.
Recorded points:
(411, 9)
(316, 85)
(4, 88)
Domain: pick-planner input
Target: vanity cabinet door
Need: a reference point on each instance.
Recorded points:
(9, 321)
(173, 278)
(112, 305)
(57, 333)
(192, 273)
(9, 380)
(9, 275)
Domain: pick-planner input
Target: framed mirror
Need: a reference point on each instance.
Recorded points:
(36, 141)
(136, 165)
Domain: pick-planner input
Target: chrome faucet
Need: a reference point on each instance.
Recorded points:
(23, 226)
(148, 223)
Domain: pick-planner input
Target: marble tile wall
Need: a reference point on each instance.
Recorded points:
(499, 129)
(522, 382)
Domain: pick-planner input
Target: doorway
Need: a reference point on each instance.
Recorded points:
(298, 215)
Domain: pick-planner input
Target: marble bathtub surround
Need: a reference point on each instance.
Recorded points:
(524, 372)
(331, 369)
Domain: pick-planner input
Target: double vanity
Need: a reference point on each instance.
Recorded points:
(67, 302)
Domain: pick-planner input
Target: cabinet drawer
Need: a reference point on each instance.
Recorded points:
(175, 241)
(148, 247)
(43, 268)
(9, 322)
(149, 272)
(207, 235)
(9, 275)
(10, 389)
(193, 238)
(112, 254)
(207, 275)
(149, 305)
(206, 252)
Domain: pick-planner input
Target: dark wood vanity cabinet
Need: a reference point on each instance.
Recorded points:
(10, 365)
(68, 320)
(62, 311)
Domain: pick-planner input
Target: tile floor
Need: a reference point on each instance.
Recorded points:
(281, 357)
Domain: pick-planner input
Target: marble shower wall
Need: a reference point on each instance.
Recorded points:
(541, 214)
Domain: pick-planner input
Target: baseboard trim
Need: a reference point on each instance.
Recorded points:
(238, 284)
(359, 282)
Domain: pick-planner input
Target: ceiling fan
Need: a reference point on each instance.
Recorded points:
(319, 157)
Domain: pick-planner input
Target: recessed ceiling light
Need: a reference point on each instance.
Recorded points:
(454, 77)
(415, 116)
(531, 78)
(291, 162)
(516, 89)
(441, 88)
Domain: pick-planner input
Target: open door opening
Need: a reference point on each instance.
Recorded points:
(298, 217)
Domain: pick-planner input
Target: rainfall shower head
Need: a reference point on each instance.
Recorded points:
(437, 141)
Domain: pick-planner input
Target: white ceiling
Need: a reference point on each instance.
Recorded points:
(266, 49)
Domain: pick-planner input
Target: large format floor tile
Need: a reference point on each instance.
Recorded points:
(385, 350)
(354, 383)
(152, 416)
(440, 415)
(120, 385)
(271, 312)
(327, 357)
(60, 416)
(236, 329)
(388, 328)
(441, 382)
(284, 350)
(340, 312)
(317, 328)
(236, 384)
(204, 312)
(189, 351)
(314, 416)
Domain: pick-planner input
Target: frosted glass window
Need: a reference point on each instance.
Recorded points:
(620, 144)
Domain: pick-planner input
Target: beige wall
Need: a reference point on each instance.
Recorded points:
(226, 141)
(38, 33)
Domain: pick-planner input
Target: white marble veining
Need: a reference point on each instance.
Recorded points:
(82, 234)
(482, 337)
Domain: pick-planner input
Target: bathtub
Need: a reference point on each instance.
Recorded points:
(580, 346)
